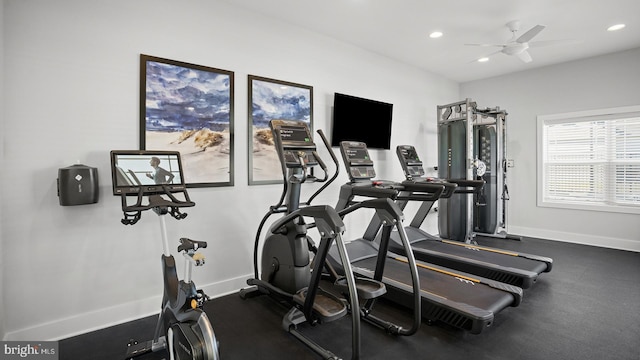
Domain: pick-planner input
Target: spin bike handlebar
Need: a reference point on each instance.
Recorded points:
(160, 205)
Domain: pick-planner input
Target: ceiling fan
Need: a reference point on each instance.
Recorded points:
(518, 45)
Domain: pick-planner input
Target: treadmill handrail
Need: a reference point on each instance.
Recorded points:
(379, 204)
(464, 185)
(429, 191)
(391, 214)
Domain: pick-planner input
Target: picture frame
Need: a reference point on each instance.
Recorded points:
(272, 99)
(189, 108)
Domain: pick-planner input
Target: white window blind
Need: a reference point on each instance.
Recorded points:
(591, 160)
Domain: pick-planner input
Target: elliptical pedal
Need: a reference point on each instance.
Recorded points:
(367, 288)
(326, 306)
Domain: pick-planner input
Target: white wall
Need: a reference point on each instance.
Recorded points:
(600, 82)
(71, 82)
(2, 270)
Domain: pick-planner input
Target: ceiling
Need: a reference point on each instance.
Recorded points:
(399, 29)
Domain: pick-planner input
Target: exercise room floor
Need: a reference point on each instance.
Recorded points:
(587, 307)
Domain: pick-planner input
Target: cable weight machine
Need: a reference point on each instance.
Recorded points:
(472, 146)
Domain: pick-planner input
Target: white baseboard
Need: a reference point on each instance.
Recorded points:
(585, 239)
(103, 318)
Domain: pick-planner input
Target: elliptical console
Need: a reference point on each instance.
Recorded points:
(183, 328)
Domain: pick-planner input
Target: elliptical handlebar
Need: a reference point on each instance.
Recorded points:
(298, 158)
(326, 219)
(300, 162)
(324, 167)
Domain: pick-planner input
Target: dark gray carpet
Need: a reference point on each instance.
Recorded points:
(587, 307)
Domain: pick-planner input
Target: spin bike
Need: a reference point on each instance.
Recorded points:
(183, 328)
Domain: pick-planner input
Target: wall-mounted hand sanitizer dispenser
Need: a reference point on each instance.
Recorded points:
(78, 185)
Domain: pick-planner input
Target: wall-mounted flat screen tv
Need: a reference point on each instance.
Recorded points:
(359, 119)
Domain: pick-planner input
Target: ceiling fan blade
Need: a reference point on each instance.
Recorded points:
(530, 34)
(524, 56)
(553, 42)
(486, 45)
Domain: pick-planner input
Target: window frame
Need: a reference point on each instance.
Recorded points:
(574, 117)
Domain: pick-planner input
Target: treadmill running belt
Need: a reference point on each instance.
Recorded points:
(452, 288)
(485, 256)
(517, 269)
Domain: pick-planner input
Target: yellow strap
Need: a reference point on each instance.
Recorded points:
(388, 280)
(458, 243)
(440, 270)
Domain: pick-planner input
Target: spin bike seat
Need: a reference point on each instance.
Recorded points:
(187, 244)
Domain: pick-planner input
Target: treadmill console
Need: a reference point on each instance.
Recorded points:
(411, 163)
(356, 159)
(294, 138)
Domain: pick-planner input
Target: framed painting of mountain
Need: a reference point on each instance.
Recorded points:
(189, 108)
(272, 99)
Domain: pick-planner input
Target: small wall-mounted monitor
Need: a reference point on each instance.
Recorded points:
(363, 120)
(153, 172)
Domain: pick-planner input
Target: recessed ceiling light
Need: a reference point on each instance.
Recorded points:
(435, 34)
(616, 27)
(484, 59)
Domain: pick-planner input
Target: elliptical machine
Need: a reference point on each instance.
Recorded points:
(183, 328)
(286, 270)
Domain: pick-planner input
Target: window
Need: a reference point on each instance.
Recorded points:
(590, 160)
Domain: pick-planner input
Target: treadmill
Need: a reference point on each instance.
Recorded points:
(456, 298)
(514, 268)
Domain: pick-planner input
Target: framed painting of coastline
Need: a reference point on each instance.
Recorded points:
(189, 108)
(272, 99)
